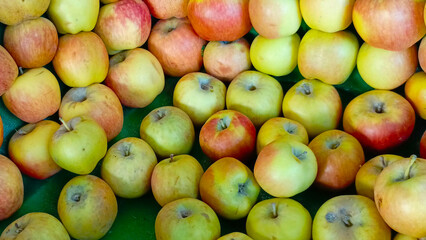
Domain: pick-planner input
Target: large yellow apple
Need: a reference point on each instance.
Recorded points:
(415, 93)
(15, 11)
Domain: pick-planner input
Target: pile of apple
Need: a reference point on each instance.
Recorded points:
(111, 55)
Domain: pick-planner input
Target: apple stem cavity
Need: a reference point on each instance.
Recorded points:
(383, 162)
(242, 188)
(225, 42)
(65, 124)
(205, 84)
(346, 218)
(274, 210)
(171, 158)
(290, 128)
(76, 197)
(333, 144)
(251, 87)
(223, 123)
(379, 107)
(410, 166)
(21, 70)
(185, 213)
(299, 155)
(158, 115)
(19, 229)
(305, 89)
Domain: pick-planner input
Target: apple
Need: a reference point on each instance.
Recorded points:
(285, 167)
(329, 57)
(327, 16)
(175, 178)
(11, 188)
(228, 133)
(384, 69)
(399, 195)
(176, 46)
(225, 60)
(1, 131)
(339, 156)
(36, 225)
(377, 25)
(78, 145)
(168, 130)
(422, 52)
(8, 70)
(275, 19)
(32, 43)
(123, 25)
(29, 149)
(279, 218)
(276, 57)
(277, 128)
(15, 11)
(423, 145)
(187, 218)
(367, 174)
(219, 20)
(207, 91)
(81, 59)
(349, 217)
(73, 16)
(97, 101)
(229, 188)
(164, 9)
(87, 207)
(379, 119)
(136, 77)
(256, 95)
(400, 236)
(235, 236)
(415, 93)
(314, 104)
(127, 167)
(34, 96)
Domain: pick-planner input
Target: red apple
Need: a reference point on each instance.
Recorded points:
(392, 24)
(339, 156)
(11, 188)
(176, 46)
(15, 11)
(219, 20)
(423, 145)
(228, 133)
(415, 93)
(123, 25)
(165, 9)
(8, 70)
(32, 43)
(379, 119)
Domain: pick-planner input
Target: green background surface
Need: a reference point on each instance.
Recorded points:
(136, 217)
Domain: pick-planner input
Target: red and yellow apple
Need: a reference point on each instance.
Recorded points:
(400, 236)
(422, 52)
(15, 11)
(423, 146)
(8, 70)
(165, 9)
(11, 188)
(415, 93)
(1, 131)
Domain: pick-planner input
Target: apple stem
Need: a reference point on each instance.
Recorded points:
(382, 160)
(408, 170)
(21, 70)
(18, 228)
(306, 89)
(347, 221)
(65, 124)
(171, 158)
(274, 210)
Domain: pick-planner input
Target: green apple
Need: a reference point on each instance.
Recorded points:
(78, 145)
(235, 236)
(35, 225)
(279, 219)
(11, 188)
(87, 207)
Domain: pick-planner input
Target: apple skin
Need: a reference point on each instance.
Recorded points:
(175, 178)
(339, 156)
(377, 25)
(256, 95)
(32, 43)
(22, 10)
(225, 60)
(285, 167)
(81, 59)
(127, 167)
(327, 16)
(123, 25)
(229, 188)
(279, 218)
(400, 236)
(34, 96)
(423, 146)
(208, 91)
(165, 9)
(8, 70)
(329, 57)
(36, 225)
(136, 77)
(415, 93)
(228, 133)
(422, 52)
(349, 217)
(235, 236)
(219, 20)
(28, 149)
(283, 17)
(87, 207)
(367, 174)
(176, 46)
(279, 127)
(97, 101)
(314, 104)
(379, 119)
(73, 16)
(168, 130)
(399, 195)
(1, 131)
(81, 148)
(187, 218)
(11, 188)
(276, 57)
(383, 69)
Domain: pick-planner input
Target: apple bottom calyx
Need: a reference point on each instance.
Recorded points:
(343, 216)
